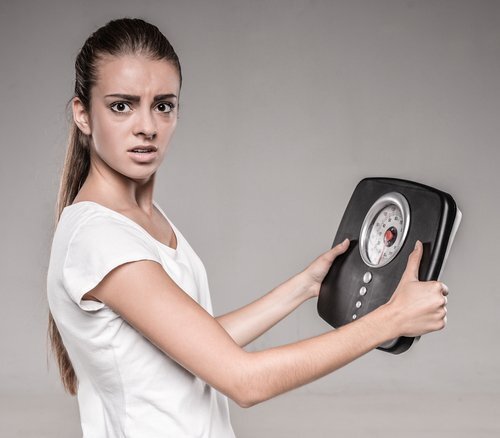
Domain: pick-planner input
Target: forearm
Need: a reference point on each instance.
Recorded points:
(204, 348)
(249, 322)
(278, 370)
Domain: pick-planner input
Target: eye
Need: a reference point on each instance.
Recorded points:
(165, 107)
(120, 107)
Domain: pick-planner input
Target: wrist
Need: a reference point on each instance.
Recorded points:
(302, 286)
(384, 321)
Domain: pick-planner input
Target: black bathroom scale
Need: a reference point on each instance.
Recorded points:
(383, 220)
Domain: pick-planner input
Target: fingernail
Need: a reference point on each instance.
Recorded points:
(417, 244)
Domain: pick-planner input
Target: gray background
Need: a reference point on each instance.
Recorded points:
(286, 105)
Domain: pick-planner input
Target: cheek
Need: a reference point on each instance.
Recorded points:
(107, 134)
(170, 128)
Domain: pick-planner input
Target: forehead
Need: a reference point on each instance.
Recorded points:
(136, 74)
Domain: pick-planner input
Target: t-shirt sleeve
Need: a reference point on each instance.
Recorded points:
(98, 246)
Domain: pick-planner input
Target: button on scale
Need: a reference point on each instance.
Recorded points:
(362, 291)
(367, 277)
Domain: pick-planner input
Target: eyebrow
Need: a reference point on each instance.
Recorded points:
(133, 98)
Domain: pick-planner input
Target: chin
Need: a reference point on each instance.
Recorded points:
(143, 177)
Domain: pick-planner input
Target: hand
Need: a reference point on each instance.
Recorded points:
(314, 274)
(418, 307)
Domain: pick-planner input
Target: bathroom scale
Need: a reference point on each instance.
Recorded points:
(383, 220)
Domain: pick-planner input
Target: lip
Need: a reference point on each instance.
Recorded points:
(139, 157)
(144, 146)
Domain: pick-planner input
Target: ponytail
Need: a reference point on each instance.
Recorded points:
(74, 172)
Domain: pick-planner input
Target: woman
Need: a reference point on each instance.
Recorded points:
(131, 321)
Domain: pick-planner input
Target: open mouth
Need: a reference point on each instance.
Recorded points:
(143, 153)
(143, 149)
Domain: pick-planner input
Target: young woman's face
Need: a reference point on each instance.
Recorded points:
(133, 105)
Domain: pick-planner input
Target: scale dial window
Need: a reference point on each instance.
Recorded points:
(384, 229)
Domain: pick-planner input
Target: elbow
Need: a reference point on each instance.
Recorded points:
(250, 390)
(245, 405)
(249, 383)
(245, 401)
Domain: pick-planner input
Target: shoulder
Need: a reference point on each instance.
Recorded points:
(98, 242)
(74, 216)
(96, 221)
(93, 233)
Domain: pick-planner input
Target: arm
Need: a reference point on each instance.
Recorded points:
(204, 348)
(249, 322)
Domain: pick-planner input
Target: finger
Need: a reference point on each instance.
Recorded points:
(340, 248)
(344, 244)
(411, 271)
(444, 289)
(330, 255)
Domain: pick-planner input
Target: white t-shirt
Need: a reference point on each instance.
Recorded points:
(127, 386)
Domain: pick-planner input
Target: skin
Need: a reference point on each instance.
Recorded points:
(116, 125)
(150, 301)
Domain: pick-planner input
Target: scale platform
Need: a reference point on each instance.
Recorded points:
(383, 220)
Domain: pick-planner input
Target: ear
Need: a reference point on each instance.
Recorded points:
(81, 116)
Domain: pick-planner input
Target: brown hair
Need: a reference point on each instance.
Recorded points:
(117, 37)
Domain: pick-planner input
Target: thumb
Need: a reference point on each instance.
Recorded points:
(411, 271)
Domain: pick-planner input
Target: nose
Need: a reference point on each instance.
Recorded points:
(146, 124)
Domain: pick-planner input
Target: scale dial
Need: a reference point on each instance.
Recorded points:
(384, 229)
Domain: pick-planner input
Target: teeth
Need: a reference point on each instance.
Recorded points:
(142, 150)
